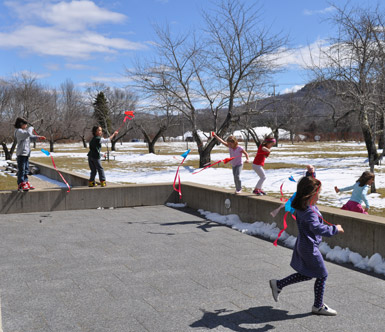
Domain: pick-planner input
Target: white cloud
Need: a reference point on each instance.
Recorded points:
(305, 56)
(53, 41)
(28, 73)
(52, 66)
(292, 89)
(74, 15)
(63, 29)
(78, 66)
(321, 11)
(114, 79)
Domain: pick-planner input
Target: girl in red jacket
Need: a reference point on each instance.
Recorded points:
(259, 162)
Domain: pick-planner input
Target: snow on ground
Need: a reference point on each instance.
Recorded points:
(270, 231)
(135, 166)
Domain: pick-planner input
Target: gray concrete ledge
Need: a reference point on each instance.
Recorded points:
(363, 233)
(72, 178)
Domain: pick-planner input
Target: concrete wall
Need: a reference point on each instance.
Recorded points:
(85, 198)
(363, 234)
(73, 179)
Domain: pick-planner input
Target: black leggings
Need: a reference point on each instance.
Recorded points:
(319, 286)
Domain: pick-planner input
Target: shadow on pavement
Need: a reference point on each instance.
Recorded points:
(233, 320)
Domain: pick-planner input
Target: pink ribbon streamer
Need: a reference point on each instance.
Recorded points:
(225, 161)
(53, 163)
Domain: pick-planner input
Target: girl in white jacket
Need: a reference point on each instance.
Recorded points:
(23, 138)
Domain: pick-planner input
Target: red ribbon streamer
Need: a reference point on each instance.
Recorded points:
(129, 115)
(284, 227)
(179, 190)
(225, 161)
(53, 163)
(282, 198)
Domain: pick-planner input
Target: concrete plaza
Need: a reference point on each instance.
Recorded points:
(161, 269)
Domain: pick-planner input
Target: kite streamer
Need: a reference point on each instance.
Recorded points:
(225, 161)
(129, 115)
(288, 209)
(53, 163)
(177, 176)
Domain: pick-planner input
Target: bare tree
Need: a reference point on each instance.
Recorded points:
(350, 67)
(153, 123)
(64, 114)
(21, 96)
(118, 101)
(214, 69)
(6, 119)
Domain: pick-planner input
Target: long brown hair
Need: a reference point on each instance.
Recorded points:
(365, 177)
(307, 187)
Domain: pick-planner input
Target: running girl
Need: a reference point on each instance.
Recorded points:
(307, 259)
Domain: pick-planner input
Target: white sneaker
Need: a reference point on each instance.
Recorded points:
(324, 310)
(274, 289)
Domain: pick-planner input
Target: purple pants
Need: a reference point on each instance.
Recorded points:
(354, 206)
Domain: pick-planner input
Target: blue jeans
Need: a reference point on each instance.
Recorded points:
(96, 166)
(22, 169)
(237, 177)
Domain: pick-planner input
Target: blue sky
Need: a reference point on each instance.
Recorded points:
(88, 41)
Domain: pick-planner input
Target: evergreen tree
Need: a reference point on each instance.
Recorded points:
(102, 112)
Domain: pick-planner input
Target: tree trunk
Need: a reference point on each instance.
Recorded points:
(381, 141)
(151, 142)
(151, 147)
(8, 155)
(369, 140)
(370, 144)
(276, 136)
(51, 144)
(204, 158)
(84, 142)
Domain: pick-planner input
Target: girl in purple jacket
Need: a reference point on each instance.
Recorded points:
(307, 260)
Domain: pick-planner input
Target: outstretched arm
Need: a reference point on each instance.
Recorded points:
(220, 139)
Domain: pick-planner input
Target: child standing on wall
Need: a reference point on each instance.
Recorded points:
(360, 189)
(94, 159)
(259, 161)
(23, 138)
(235, 151)
(307, 259)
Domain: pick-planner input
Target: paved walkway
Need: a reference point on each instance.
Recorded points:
(161, 269)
